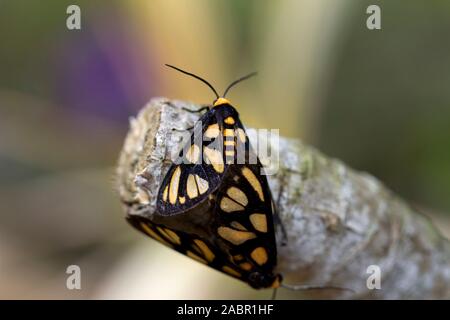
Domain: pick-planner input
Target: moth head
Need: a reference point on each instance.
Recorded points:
(220, 101)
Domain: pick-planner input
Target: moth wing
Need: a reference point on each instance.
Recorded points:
(244, 218)
(197, 172)
(193, 246)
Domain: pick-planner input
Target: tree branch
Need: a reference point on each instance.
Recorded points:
(338, 221)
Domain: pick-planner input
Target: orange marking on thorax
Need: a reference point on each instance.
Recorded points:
(220, 101)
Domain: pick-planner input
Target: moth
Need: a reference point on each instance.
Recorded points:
(214, 204)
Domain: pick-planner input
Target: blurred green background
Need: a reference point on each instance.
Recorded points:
(378, 100)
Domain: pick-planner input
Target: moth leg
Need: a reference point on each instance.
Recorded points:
(204, 107)
(274, 294)
(302, 287)
(182, 130)
(200, 110)
(277, 220)
(276, 216)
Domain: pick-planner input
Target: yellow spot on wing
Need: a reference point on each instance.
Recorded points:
(165, 193)
(259, 255)
(259, 221)
(237, 195)
(170, 235)
(241, 135)
(254, 182)
(202, 184)
(229, 120)
(215, 158)
(246, 266)
(234, 236)
(196, 257)
(192, 155)
(238, 258)
(228, 205)
(191, 187)
(207, 253)
(154, 235)
(212, 131)
(182, 200)
(238, 226)
(174, 183)
(231, 271)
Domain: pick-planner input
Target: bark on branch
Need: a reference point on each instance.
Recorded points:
(338, 221)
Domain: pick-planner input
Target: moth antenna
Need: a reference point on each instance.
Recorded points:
(313, 287)
(196, 77)
(237, 81)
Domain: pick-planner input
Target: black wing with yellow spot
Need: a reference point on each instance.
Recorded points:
(191, 245)
(243, 210)
(244, 221)
(202, 163)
